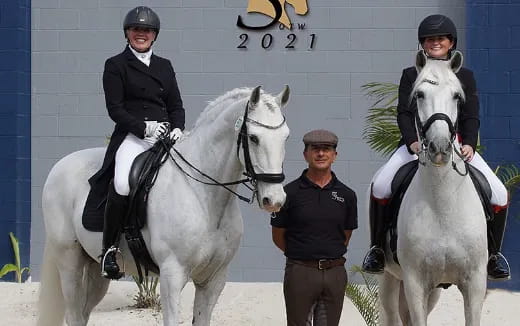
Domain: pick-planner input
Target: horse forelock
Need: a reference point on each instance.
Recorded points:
(438, 73)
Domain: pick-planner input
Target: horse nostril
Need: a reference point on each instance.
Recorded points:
(266, 201)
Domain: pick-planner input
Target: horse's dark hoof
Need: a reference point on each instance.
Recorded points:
(374, 262)
(498, 268)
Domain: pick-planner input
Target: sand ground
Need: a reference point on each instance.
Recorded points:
(241, 304)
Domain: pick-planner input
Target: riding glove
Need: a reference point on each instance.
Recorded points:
(175, 134)
(155, 129)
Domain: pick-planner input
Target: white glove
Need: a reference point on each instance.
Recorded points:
(175, 134)
(155, 129)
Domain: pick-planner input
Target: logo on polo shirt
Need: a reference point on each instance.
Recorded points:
(336, 197)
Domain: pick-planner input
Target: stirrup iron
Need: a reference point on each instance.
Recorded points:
(121, 271)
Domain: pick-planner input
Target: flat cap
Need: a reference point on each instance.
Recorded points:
(320, 137)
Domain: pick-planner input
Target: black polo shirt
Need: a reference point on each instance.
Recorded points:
(315, 218)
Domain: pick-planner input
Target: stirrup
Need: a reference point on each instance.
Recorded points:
(120, 273)
(505, 276)
(374, 250)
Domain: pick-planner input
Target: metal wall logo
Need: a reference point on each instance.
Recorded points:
(274, 9)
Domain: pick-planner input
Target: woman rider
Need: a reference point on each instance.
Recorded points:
(143, 99)
(438, 37)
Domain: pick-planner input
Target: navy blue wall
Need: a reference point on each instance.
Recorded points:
(493, 52)
(15, 128)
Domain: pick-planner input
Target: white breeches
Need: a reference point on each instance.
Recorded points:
(382, 181)
(130, 148)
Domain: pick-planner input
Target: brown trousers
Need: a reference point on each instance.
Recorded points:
(303, 286)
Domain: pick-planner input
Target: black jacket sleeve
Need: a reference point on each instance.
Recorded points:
(114, 89)
(469, 122)
(174, 105)
(406, 110)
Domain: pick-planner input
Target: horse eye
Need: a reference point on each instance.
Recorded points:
(457, 96)
(419, 95)
(253, 139)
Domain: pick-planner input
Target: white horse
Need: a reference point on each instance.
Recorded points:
(193, 230)
(441, 225)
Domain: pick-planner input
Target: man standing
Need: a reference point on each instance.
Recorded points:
(313, 229)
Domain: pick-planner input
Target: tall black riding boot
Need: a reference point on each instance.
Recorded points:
(374, 261)
(115, 211)
(498, 267)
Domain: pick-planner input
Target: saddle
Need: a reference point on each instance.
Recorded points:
(143, 174)
(401, 182)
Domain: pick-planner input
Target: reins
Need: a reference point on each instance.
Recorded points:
(251, 176)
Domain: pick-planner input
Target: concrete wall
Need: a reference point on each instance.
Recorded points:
(15, 129)
(493, 50)
(357, 41)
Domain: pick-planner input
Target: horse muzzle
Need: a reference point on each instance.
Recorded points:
(439, 151)
(271, 197)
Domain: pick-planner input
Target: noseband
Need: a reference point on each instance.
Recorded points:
(243, 138)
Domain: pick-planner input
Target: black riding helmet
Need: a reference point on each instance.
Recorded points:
(142, 17)
(437, 25)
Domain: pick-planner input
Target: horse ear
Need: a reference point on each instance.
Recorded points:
(283, 97)
(255, 97)
(456, 61)
(420, 60)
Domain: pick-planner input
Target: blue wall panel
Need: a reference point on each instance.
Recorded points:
(493, 52)
(15, 129)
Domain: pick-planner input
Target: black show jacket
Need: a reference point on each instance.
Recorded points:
(135, 93)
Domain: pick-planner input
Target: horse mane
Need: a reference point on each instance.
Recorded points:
(219, 105)
(439, 72)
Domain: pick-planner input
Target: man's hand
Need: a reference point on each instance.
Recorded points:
(467, 152)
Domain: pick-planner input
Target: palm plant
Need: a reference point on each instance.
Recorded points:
(365, 296)
(147, 297)
(381, 131)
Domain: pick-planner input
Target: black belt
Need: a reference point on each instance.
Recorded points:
(319, 263)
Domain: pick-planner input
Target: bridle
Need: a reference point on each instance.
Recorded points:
(243, 138)
(252, 178)
(425, 143)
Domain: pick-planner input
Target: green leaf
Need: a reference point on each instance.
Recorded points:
(16, 249)
(7, 269)
(381, 131)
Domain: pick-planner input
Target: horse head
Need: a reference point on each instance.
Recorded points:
(438, 92)
(263, 133)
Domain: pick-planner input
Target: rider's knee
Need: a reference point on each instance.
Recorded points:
(121, 186)
(381, 189)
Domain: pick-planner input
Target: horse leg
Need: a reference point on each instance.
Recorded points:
(206, 296)
(97, 287)
(432, 300)
(388, 295)
(173, 278)
(71, 266)
(51, 310)
(404, 312)
(417, 295)
(474, 291)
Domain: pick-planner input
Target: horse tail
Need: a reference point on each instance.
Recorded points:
(51, 303)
